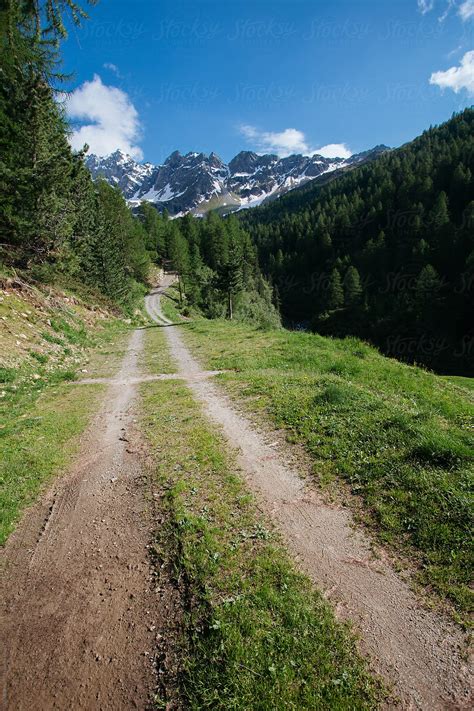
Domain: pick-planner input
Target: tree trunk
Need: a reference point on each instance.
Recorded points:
(230, 312)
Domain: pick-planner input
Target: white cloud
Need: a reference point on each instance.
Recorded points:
(457, 78)
(466, 10)
(454, 51)
(289, 141)
(284, 143)
(334, 150)
(110, 120)
(425, 6)
(112, 68)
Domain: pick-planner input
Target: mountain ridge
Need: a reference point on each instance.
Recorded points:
(196, 182)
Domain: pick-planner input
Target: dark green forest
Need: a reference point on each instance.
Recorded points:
(53, 218)
(385, 252)
(217, 266)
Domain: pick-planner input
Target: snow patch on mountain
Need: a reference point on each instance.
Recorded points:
(196, 182)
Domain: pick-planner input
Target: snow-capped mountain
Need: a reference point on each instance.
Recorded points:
(197, 182)
(119, 169)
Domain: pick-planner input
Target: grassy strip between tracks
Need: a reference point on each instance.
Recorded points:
(255, 634)
(401, 437)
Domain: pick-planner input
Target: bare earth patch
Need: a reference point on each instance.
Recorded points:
(79, 615)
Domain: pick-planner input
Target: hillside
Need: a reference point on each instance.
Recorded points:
(399, 436)
(126, 403)
(50, 337)
(385, 252)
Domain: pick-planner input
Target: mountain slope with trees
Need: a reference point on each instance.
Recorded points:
(385, 252)
(216, 263)
(53, 217)
(56, 220)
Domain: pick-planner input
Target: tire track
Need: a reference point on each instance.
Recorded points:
(419, 651)
(76, 598)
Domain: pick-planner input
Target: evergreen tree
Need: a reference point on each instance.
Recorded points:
(155, 228)
(427, 294)
(439, 214)
(232, 273)
(50, 210)
(111, 246)
(179, 255)
(335, 293)
(352, 287)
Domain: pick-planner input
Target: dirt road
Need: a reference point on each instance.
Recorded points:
(78, 614)
(418, 650)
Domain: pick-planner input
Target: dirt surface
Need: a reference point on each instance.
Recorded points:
(81, 618)
(79, 615)
(419, 651)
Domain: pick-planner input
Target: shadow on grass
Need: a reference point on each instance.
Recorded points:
(162, 325)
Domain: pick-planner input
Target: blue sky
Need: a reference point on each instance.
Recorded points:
(153, 76)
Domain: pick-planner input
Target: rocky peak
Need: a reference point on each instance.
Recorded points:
(195, 182)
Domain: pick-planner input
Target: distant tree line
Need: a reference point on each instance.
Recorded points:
(216, 263)
(52, 215)
(385, 252)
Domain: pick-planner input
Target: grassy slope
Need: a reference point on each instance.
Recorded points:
(48, 337)
(401, 437)
(461, 381)
(255, 635)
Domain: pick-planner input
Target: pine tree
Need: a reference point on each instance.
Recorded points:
(36, 207)
(427, 295)
(352, 287)
(232, 274)
(81, 253)
(111, 245)
(179, 255)
(439, 216)
(155, 227)
(335, 293)
(50, 210)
